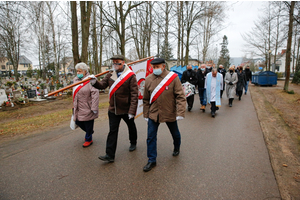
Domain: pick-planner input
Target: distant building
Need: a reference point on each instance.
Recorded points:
(280, 62)
(192, 61)
(6, 65)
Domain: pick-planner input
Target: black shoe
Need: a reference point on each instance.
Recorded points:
(230, 105)
(176, 152)
(106, 158)
(149, 166)
(132, 147)
(213, 114)
(189, 108)
(239, 98)
(245, 93)
(217, 108)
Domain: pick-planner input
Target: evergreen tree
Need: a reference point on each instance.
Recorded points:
(224, 58)
(166, 51)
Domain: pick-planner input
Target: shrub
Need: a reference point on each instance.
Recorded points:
(291, 92)
(296, 78)
(279, 74)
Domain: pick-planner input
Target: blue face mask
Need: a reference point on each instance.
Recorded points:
(80, 76)
(202, 69)
(157, 72)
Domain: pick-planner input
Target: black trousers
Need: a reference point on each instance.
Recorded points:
(112, 138)
(190, 101)
(240, 93)
(213, 107)
(88, 128)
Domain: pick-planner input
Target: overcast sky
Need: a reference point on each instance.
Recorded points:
(241, 17)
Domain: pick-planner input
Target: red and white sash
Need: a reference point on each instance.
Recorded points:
(78, 87)
(124, 77)
(162, 85)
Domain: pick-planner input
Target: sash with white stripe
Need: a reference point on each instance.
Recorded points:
(115, 86)
(162, 85)
(78, 87)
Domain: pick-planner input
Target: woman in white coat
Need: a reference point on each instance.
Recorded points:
(231, 80)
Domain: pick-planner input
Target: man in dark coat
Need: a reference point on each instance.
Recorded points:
(190, 76)
(123, 101)
(222, 71)
(248, 75)
(241, 81)
(201, 75)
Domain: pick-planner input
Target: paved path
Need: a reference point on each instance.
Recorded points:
(221, 158)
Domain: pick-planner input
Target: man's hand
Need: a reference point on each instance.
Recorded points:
(130, 116)
(146, 119)
(179, 118)
(230, 83)
(93, 79)
(95, 111)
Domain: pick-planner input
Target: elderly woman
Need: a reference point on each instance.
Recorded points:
(231, 79)
(85, 103)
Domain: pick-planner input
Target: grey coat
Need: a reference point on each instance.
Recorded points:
(230, 89)
(85, 102)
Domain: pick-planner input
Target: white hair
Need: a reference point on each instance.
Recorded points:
(82, 66)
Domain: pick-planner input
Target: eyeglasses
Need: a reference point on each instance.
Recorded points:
(117, 63)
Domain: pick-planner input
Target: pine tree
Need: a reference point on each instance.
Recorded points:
(224, 54)
(166, 51)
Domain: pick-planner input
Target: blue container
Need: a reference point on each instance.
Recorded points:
(264, 78)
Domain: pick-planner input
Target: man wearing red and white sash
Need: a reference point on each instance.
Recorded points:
(163, 101)
(123, 101)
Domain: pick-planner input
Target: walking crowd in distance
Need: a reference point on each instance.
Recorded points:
(164, 101)
(211, 82)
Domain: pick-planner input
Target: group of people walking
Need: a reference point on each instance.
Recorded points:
(211, 83)
(163, 101)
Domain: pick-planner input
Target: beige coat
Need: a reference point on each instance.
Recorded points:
(86, 100)
(170, 104)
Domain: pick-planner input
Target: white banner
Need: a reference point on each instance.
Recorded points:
(141, 70)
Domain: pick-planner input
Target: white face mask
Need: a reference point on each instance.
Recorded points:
(157, 72)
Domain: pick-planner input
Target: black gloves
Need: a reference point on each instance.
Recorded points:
(230, 83)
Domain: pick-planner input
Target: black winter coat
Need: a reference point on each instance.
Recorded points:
(248, 74)
(201, 78)
(189, 76)
(241, 81)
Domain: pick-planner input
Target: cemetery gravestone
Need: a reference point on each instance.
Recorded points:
(17, 94)
(3, 96)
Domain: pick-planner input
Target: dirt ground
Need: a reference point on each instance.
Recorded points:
(42, 115)
(278, 113)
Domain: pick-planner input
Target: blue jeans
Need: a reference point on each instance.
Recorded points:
(202, 95)
(152, 138)
(87, 127)
(246, 86)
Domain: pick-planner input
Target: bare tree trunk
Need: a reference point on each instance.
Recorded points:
(74, 27)
(101, 35)
(95, 41)
(288, 49)
(149, 28)
(179, 31)
(54, 40)
(182, 32)
(85, 7)
(297, 61)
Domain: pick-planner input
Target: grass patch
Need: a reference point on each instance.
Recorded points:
(291, 92)
(43, 121)
(31, 124)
